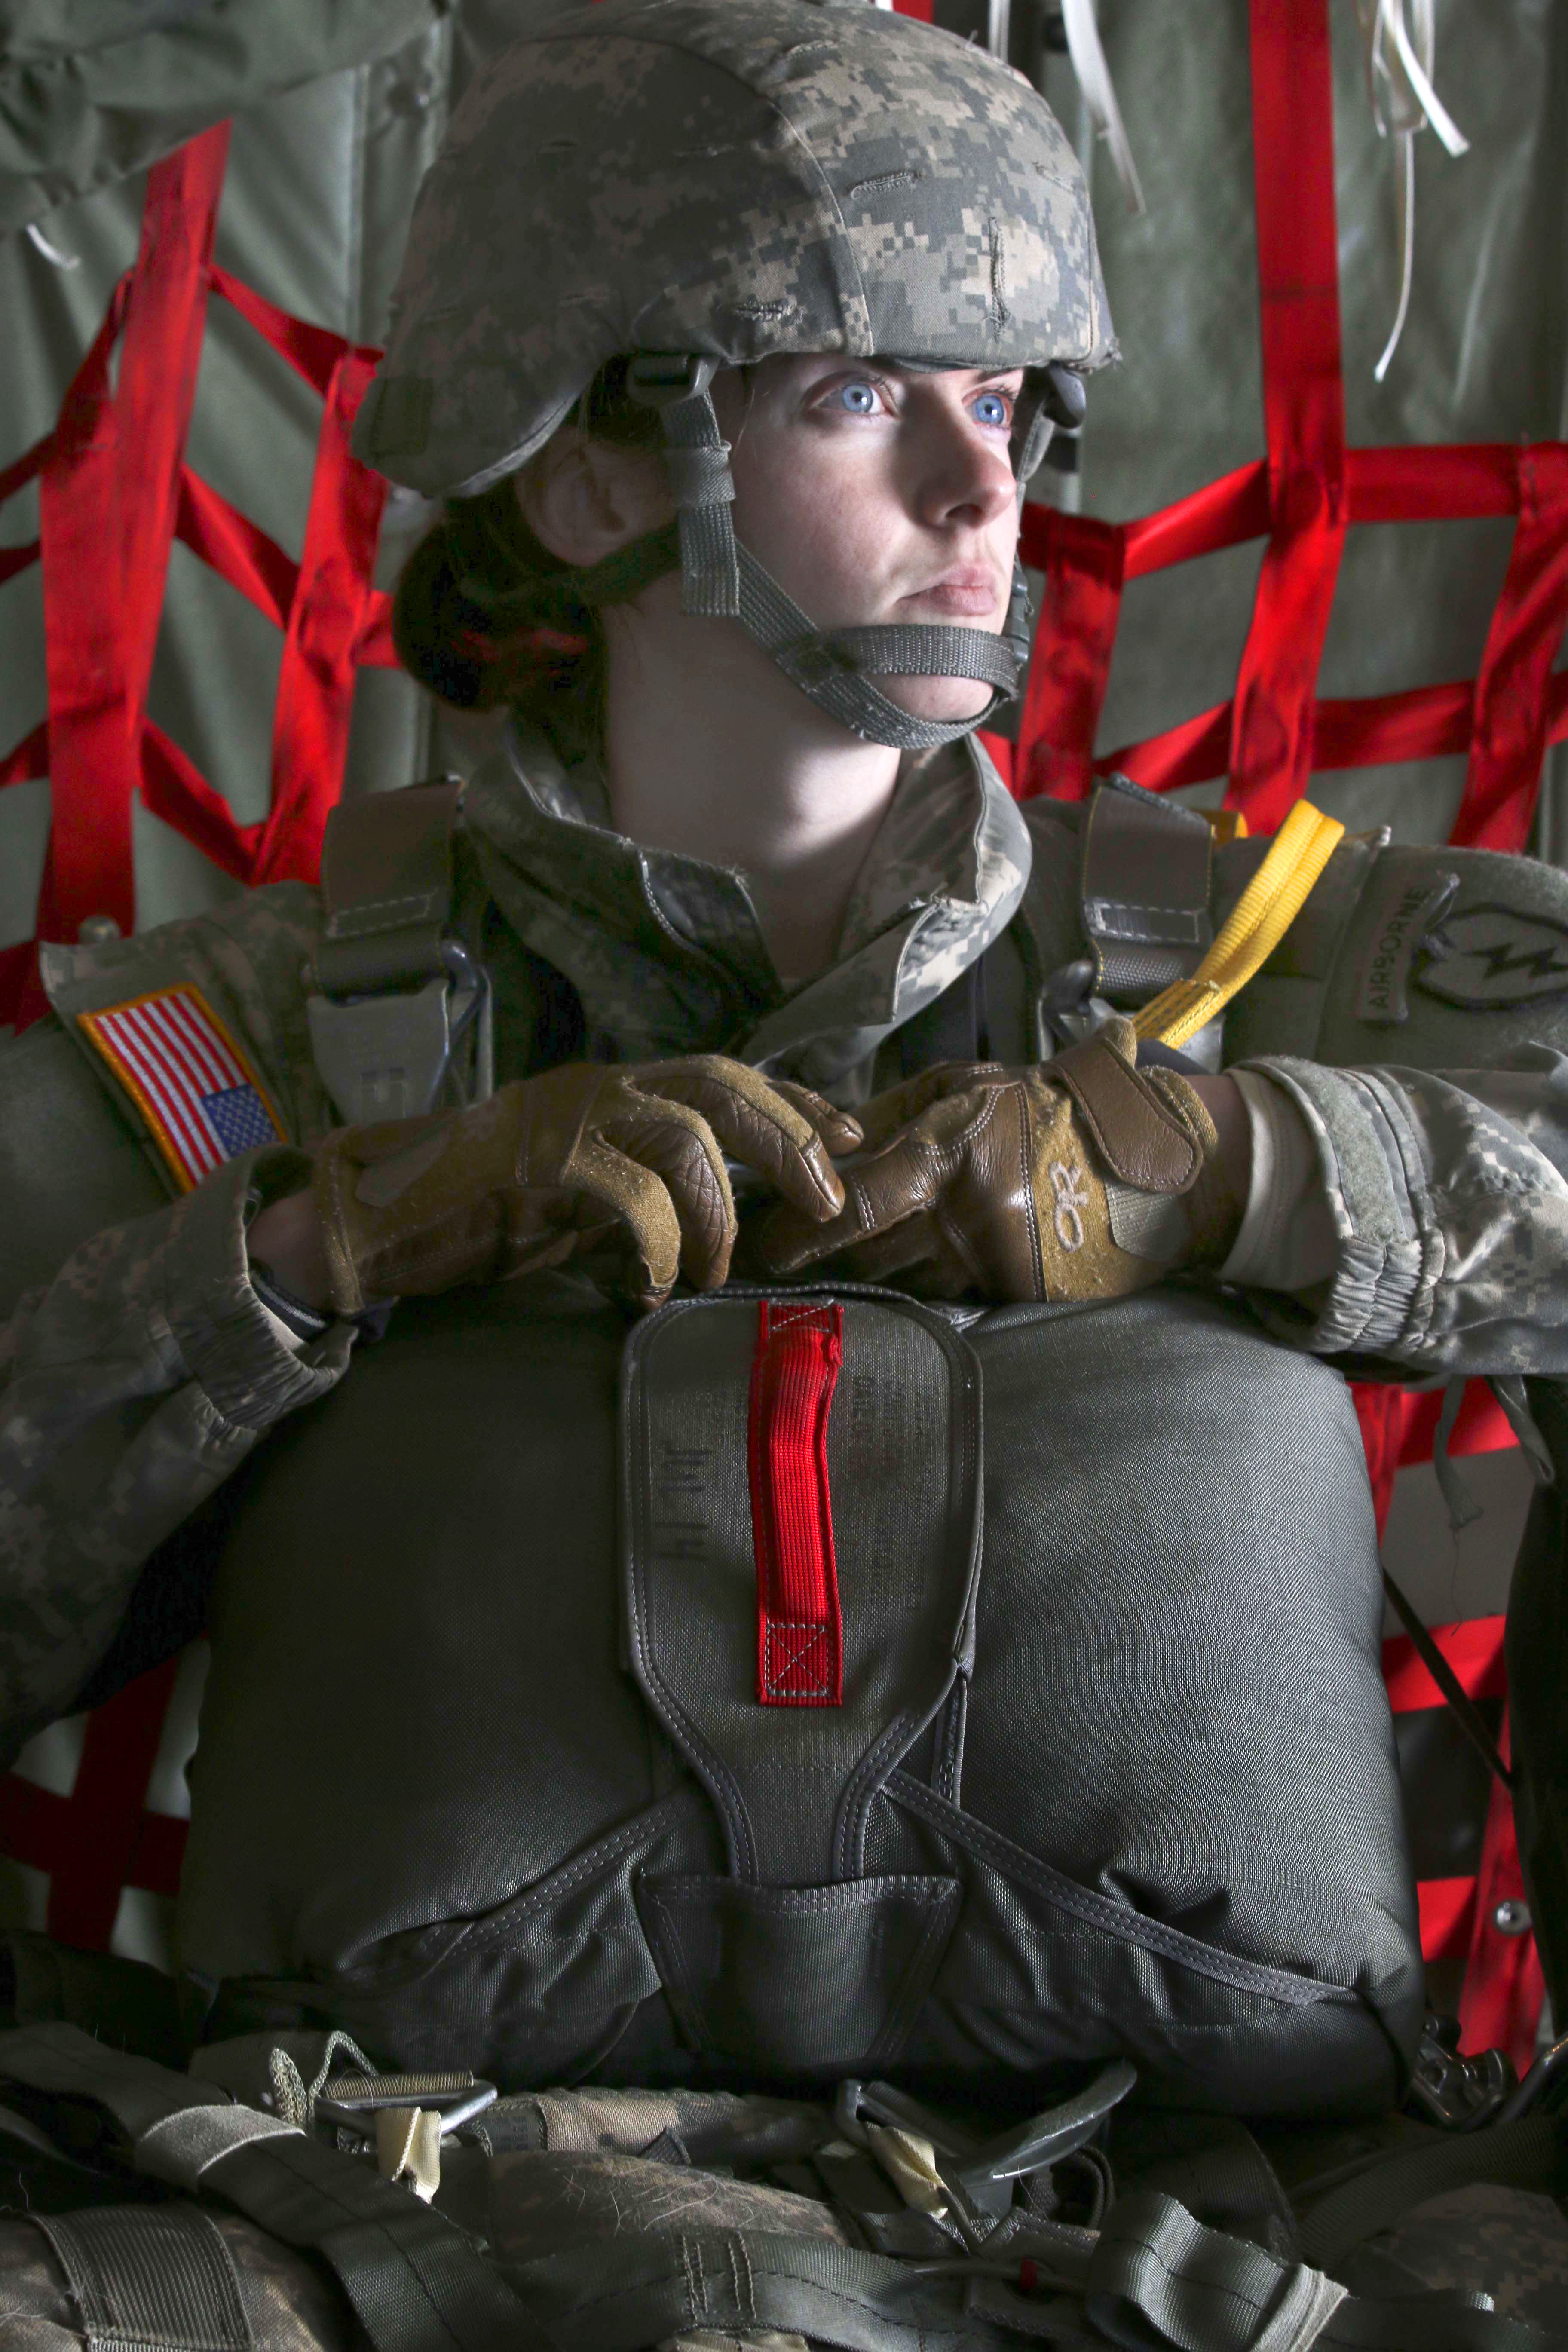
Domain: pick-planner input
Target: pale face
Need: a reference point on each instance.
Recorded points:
(874, 495)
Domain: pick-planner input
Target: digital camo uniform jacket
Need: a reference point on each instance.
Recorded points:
(1413, 1014)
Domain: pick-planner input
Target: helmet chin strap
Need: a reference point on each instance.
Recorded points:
(721, 579)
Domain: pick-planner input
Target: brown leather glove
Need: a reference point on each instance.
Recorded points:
(588, 1156)
(1085, 1178)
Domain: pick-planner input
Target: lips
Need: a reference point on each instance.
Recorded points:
(967, 594)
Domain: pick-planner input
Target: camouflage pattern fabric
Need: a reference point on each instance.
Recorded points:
(133, 1386)
(1450, 1199)
(137, 1379)
(763, 177)
(659, 946)
(1509, 2243)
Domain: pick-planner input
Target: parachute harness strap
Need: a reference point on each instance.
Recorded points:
(721, 579)
(1252, 930)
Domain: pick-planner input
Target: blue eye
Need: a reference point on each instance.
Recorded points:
(859, 398)
(993, 408)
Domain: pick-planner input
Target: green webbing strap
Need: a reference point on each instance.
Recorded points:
(414, 2282)
(697, 458)
(1529, 2154)
(1196, 2286)
(1158, 2278)
(146, 2277)
(1223, 2177)
(649, 2286)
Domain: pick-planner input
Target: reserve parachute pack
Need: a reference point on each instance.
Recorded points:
(803, 1683)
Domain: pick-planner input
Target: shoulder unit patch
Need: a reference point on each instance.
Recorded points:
(192, 1082)
(1487, 958)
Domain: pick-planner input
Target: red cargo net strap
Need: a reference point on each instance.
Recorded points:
(1511, 716)
(1303, 406)
(1274, 732)
(114, 491)
(800, 1631)
(109, 494)
(100, 1838)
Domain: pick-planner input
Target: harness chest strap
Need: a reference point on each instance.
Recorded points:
(1144, 883)
(395, 987)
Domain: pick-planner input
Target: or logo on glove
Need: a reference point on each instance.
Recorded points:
(591, 1158)
(1085, 1178)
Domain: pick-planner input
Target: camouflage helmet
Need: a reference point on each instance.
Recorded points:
(707, 182)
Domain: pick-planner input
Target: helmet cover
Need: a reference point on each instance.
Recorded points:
(730, 179)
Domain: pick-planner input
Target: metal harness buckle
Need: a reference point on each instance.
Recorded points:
(387, 1056)
(351, 2102)
(979, 2177)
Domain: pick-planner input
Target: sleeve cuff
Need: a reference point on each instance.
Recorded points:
(1287, 1239)
(1378, 1293)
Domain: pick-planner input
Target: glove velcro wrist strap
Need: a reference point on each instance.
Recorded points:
(1144, 1136)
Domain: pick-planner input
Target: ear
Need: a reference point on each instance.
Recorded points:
(585, 500)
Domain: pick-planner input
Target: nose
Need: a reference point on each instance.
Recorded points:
(965, 472)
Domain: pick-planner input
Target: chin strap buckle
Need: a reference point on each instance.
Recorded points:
(679, 385)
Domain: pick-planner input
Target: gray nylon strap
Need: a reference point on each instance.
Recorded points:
(1198, 2287)
(414, 2281)
(777, 622)
(181, 2148)
(386, 880)
(150, 2278)
(1156, 2280)
(645, 2286)
(923, 652)
(697, 456)
(1146, 891)
(699, 478)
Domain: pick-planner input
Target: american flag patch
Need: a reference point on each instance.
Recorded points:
(193, 1082)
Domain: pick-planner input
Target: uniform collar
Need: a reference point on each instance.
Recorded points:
(666, 951)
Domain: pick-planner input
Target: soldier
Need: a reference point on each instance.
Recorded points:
(731, 333)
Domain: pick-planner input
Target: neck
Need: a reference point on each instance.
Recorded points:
(711, 752)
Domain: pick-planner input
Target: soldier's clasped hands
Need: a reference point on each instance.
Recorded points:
(1084, 1178)
(587, 1158)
